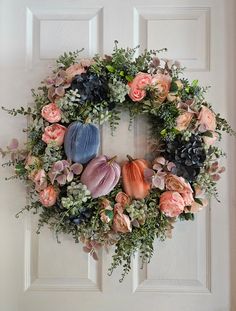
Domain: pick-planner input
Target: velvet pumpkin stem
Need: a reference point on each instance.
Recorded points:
(129, 157)
(87, 120)
(112, 160)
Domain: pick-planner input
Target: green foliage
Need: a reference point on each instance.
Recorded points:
(68, 59)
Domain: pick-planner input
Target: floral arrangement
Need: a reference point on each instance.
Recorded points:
(91, 197)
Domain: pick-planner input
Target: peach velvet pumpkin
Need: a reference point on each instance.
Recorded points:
(133, 178)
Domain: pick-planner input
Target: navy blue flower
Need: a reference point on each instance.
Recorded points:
(91, 87)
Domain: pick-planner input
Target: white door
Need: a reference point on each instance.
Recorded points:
(191, 272)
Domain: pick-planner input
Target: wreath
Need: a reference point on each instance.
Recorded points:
(92, 197)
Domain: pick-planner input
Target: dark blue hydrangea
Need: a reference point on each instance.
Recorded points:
(91, 87)
(188, 156)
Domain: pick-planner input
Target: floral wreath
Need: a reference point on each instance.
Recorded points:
(91, 197)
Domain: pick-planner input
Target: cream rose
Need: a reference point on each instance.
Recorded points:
(183, 121)
(176, 183)
(162, 83)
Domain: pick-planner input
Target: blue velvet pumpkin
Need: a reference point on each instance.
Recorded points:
(81, 142)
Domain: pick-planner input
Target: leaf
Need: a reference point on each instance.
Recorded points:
(86, 249)
(110, 68)
(173, 87)
(129, 78)
(95, 256)
(194, 83)
(208, 134)
(109, 213)
(198, 201)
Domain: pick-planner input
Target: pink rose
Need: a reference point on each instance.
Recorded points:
(206, 120)
(51, 113)
(48, 196)
(187, 197)
(40, 180)
(54, 133)
(137, 86)
(121, 223)
(122, 198)
(162, 83)
(171, 203)
(211, 140)
(175, 183)
(183, 121)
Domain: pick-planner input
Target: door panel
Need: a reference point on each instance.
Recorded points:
(191, 271)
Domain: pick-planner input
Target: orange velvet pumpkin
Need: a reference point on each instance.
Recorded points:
(133, 178)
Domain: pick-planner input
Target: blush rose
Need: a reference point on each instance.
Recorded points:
(54, 133)
(206, 120)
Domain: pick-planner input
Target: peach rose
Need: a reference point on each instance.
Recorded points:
(121, 223)
(171, 203)
(48, 196)
(122, 198)
(54, 133)
(51, 113)
(137, 86)
(74, 70)
(187, 197)
(206, 120)
(162, 83)
(40, 180)
(183, 121)
(176, 183)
